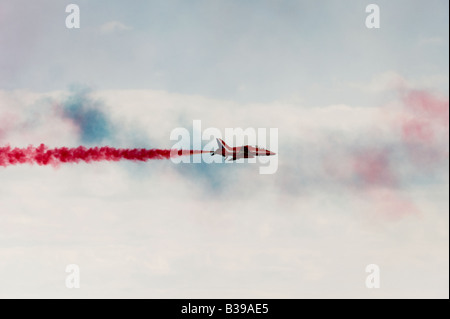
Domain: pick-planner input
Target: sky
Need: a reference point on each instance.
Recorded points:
(362, 164)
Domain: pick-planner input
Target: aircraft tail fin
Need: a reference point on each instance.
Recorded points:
(219, 150)
(222, 144)
(223, 148)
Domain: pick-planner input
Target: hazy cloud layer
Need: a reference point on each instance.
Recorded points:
(347, 174)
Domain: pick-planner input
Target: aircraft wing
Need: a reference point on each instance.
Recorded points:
(242, 155)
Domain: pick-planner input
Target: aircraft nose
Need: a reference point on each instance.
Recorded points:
(271, 153)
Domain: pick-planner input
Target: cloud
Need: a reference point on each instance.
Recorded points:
(341, 147)
(393, 82)
(86, 113)
(383, 82)
(114, 27)
(345, 177)
(71, 117)
(344, 149)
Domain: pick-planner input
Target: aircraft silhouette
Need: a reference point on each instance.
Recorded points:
(236, 153)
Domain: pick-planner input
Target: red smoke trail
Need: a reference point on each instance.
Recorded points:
(425, 117)
(42, 155)
(373, 168)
